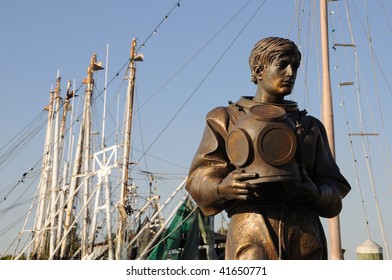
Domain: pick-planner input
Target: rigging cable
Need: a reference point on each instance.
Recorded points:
(373, 58)
(296, 13)
(388, 256)
(21, 139)
(128, 60)
(362, 126)
(386, 17)
(181, 68)
(145, 152)
(373, 54)
(177, 5)
(307, 51)
(194, 56)
(27, 135)
(203, 80)
(343, 105)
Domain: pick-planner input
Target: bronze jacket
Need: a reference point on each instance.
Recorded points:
(211, 164)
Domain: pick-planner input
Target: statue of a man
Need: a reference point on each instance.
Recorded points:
(268, 165)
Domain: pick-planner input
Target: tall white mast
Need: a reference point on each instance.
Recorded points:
(82, 153)
(94, 65)
(63, 190)
(121, 234)
(43, 184)
(327, 118)
(75, 178)
(55, 167)
(104, 160)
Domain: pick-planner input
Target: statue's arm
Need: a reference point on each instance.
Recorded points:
(331, 184)
(210, 164)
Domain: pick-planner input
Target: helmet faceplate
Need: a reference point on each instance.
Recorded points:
(264, 142)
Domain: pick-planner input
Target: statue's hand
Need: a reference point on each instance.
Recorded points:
(236, 186)
(304, 190)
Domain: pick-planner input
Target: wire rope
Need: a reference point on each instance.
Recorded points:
(361, 92)
(203, 80)
(348, 128)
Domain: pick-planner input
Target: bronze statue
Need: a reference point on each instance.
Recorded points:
(268, 165)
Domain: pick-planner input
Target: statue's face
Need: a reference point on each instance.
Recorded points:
(277, 79)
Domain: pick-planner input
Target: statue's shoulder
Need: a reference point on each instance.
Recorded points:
(313, 125)
(232, 111)
(218, 112)
(312, 120)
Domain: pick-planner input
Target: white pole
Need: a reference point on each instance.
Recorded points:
(55, 168)
(87, 151)
(121, 235)
(96, 209)
(62, 203)
(63, 190)
(43, 184)
(106, 179)
(73, 185)
(104, 97)
(327, 118)
(108, 220)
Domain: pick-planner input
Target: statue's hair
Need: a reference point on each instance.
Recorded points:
(267, 49)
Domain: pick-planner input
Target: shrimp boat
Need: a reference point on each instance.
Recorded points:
(94, 200)
(87, 204)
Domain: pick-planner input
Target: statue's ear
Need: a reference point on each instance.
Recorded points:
(258, 70)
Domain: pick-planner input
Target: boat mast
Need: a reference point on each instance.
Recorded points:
(327, 118)
(75, 178)
(87, 117)
(63, 190)
(121, 234)
(103, 143)
(43, 185)
(104, 165)
(55, 168)
(82, 153)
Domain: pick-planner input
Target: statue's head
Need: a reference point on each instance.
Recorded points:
(267, 49)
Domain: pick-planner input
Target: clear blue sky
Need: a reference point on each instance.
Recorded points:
(198, 60)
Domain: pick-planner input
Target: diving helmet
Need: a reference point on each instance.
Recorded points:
(264, 142)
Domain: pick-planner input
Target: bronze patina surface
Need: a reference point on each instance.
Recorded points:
(268, 165)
